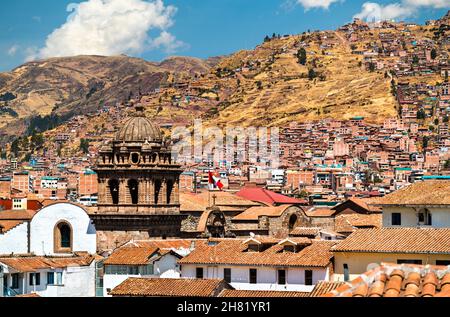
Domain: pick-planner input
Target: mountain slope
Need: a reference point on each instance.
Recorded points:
(82, 84)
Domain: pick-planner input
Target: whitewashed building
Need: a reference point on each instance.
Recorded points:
(60, 228)
(423, 204)
(49, 252)
(261, 263)
(150, 259)
(63, 276)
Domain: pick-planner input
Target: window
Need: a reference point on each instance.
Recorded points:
(253, 276)
(129, 270)
(15, 281)
(253, 248)
(114, 191)
(135, 158)
(50, 278)
(346, 273)
(443, 262)
(134, 191)
(35, 279)
(282, 277)
(227, 275)
(396, 219)
(199, 273)
(59, 278)
(409, 262)
(424, 217)
(289, 248)
(63, 238)
(308, 277)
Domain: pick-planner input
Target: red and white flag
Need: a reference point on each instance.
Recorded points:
(214, 181)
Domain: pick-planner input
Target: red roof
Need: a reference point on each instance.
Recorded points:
(268, 197)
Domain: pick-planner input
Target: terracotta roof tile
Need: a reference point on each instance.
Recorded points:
(255, 294)
(131, 256)
(268, 197)
(254, 213)
(7, 225)
(17, 214)
(420, 193)
(162, 287)
(320, 212)
(388, 280)
(350, 222)
(234, 252)
(324, 287)
(397, 240)
(224, 200)
(33, 263)
(305, 232)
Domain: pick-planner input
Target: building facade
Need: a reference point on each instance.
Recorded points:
(138, 186)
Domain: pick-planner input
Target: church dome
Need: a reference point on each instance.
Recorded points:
(139, 129)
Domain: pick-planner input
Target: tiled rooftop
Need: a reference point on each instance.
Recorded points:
(392, 280)
(397, 240)
(162, 287)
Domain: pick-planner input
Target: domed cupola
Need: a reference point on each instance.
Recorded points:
(138, 129)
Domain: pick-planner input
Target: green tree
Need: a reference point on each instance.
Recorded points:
(447, 164)
(425, 142)
(415, 60)
(433, 53)
(371, 67)
(301, 56)
(15, 148)
(421, 114)
(311, 74)
(84, 146)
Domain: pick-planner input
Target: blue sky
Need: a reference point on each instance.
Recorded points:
(199, 28)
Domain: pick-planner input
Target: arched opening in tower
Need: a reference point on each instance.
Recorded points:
(114, 189)
(134, 191)
(157, 191)
(169, 191)
(292, 222)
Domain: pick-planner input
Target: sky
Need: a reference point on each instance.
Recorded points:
(156, 29)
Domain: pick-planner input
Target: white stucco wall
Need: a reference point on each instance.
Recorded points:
(15, 240)
(44, 222)
(165, 267)
(440, 217)
(77, 282)
(266, 277)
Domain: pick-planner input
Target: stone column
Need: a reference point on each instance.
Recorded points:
(142, 190)
(176, 191)
(163, 192)
(151, 191)
(123, 191)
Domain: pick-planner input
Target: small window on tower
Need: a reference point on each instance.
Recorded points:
(135, 158)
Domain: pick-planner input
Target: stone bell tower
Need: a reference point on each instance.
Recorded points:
(138, 186)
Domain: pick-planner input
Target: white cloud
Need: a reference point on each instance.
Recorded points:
(12, 51)
(111, 27)
(374, 11)
(437, 4)
(399, 10)
(310, 4)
